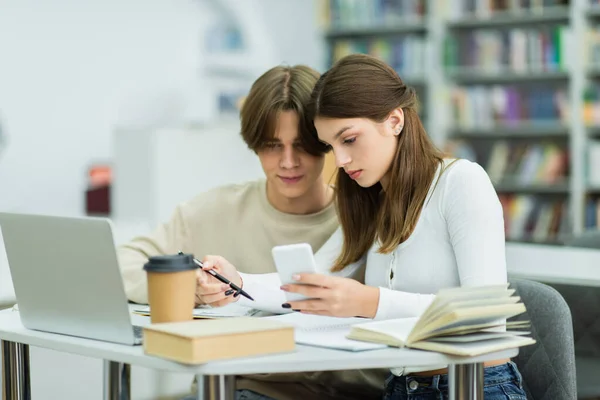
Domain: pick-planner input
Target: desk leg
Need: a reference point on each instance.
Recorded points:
(117, 378)
(15, 371)
(465, 381)
(216, 387)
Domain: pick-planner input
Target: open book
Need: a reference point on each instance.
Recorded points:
(465, 321)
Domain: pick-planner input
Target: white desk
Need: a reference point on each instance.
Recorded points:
(465, 374)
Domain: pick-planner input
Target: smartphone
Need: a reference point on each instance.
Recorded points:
(293, 259)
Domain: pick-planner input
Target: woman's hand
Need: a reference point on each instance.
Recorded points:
(334, 296)
(211, 291)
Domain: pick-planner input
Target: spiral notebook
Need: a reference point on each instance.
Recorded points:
(329, 332)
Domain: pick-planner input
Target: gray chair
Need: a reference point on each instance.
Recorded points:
(584, 303)
(547, 367)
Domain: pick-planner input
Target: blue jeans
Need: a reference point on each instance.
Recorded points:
(245, 394)
(242, 394)
(501, 382)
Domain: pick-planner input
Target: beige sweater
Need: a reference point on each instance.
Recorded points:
(238, 223)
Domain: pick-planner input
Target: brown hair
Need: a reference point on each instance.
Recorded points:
(361, 86)
(281, 88)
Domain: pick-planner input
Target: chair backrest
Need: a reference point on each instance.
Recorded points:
(584, 302)
(548, 367)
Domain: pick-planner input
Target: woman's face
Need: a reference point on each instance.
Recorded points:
(365, 149)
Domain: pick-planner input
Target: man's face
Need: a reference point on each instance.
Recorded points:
(291, 172)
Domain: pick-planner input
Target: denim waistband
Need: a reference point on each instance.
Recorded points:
(493, 375)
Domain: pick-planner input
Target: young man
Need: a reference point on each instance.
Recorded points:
(242, 223)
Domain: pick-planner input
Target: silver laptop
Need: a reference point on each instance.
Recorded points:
(66, 276)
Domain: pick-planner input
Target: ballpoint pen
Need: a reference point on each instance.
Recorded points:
(238, 290)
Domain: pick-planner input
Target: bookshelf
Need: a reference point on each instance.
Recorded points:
(396, 32)
(516, 89)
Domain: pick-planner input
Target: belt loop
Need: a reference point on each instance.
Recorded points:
(516, 373)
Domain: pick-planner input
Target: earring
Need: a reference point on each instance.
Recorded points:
(399, 129)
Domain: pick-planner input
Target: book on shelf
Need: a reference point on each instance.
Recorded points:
(405, 54)
(372, 13)
(528, 163)
(516, 165)
(532, 183)
(197, 342)
(535, 219)
(463, 321)
(591, 104)
(509, 106)
(591, 47)
(518, 50)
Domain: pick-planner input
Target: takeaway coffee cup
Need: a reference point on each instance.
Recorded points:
(171, 287)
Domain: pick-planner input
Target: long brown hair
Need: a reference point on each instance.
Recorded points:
(281, 88)
(361, 86)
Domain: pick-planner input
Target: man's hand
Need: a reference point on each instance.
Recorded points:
(334, 296)
(211, 291)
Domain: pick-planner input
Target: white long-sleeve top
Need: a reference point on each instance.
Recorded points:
(458, 241)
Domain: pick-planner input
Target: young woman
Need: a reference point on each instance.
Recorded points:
(423, 222)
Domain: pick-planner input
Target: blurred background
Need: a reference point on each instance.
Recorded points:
(116, 108)
(123, 108)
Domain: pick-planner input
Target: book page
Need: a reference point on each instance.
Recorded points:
(472, 295)
(397, 329)
(470, 303)
(477, 336)
(471, 349)
(462, 318)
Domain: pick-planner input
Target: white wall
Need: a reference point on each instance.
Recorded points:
(296, 35)
(66, 66)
